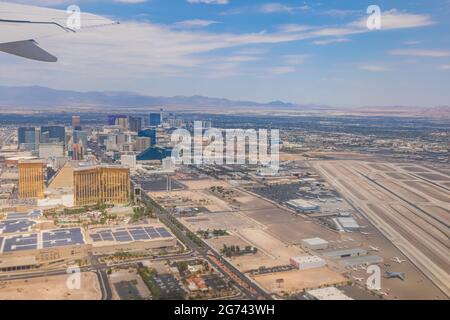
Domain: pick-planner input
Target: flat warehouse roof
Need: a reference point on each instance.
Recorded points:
(131, 233)
(23, 215)
(41, 240)
(14, 226)
(313, 241)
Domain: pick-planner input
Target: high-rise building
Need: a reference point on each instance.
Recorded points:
(27, 138)
(149, 133)
(101, 184)
(155, 119)
(122, 122)
(76, 122)
(77, 152)
(135, 124)
(141, 143)
(31, 179)
(80, 136)
(55, 133)
(112, 119)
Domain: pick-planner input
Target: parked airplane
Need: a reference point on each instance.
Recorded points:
(358, 279)
(374, 248)
(21, 25)
(398, 275)
(397, 259)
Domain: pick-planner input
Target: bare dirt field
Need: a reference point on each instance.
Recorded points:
(191, 198)
(434, 176)
(50, 288)
(291, 157)
(298, 280)
(204, 184)
(247, 262)
(415, 169)
(226, 220)
(289, 227)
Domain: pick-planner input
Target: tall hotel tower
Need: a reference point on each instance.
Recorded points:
(101, 184)
(31, 179)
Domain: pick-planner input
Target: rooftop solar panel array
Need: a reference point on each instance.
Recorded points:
(21, 242)
(23, 215)
(17, 215)
(130, 234)
(13, 226)
(43, 240)
(63, 237)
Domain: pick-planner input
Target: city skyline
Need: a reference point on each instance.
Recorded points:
(301, 52)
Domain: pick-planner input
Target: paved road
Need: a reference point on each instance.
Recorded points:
(255, 292)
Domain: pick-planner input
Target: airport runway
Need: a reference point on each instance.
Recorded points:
(392, 206)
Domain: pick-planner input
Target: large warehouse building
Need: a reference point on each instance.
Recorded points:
(303, 206)
(33, 250)
(131, 239)
(24, 247)
(314, 244)
(307, 262)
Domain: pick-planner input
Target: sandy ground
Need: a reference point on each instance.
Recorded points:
(231, 221)
(271, 246)
(291, 157)
(298, 280)
(51, 288)
(265, 257)
(204, 184)
(194, 198)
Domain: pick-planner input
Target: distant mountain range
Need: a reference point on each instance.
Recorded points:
(35, 97)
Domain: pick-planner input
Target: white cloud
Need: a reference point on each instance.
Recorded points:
(340, 12)
(329, 41)
(282, 70)
(139, 50)
(374, 68)
(276, 7)
(196, 23)
(209, 1)
(420, 53)
(444, 67)
(394, 19)
(291, 28)
(61, 2)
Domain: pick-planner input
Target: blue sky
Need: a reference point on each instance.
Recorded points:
(299, 51)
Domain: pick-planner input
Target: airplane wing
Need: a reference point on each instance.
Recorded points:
(22, 25)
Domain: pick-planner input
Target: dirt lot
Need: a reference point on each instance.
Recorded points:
(50, 288)
(194, 198)
(204, 184)
(298, 280)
